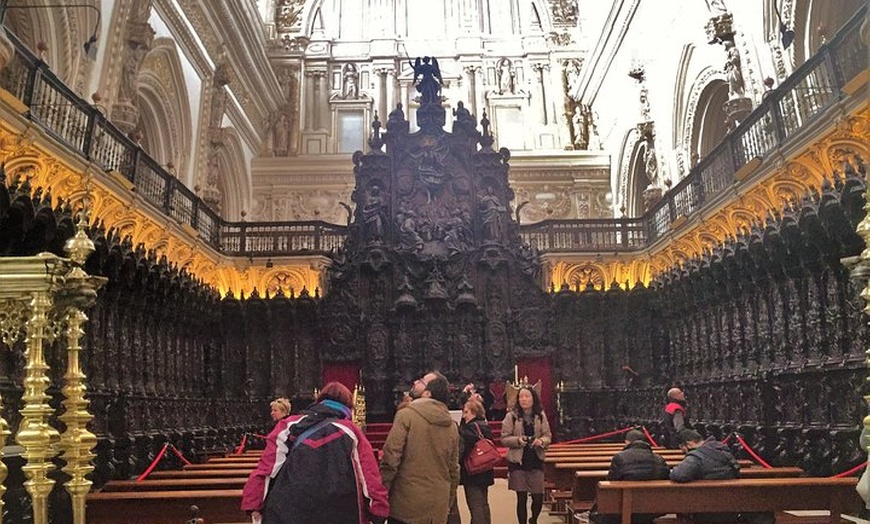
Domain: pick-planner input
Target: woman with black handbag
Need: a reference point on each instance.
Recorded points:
(472, 428)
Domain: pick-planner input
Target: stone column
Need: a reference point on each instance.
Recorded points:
(471, 71)
(541, 68)
(322, 100)
(382, 91)
(309, 100)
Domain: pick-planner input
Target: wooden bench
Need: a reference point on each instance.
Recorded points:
(586, 482)
(175, 484)
(836, 495)
(164, 507)
(206, 466)
(199, 473)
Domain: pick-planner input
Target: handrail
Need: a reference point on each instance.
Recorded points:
(813, 88)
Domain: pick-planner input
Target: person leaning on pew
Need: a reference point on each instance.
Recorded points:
(711, 460)
(635, 462)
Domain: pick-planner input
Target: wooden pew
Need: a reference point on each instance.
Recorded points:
(837, 495)
(200, 473)
(205, 466)
(164, 507)
(176, 484)
(233, 460)
(586, 482)
(561, 473)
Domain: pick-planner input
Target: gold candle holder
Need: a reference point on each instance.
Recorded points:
(38, 439)
(76, 442)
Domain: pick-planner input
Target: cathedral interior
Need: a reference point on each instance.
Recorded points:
(610, 198)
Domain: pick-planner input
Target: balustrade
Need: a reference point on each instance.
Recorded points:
(811, 90)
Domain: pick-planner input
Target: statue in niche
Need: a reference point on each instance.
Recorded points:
(529, 259)
(130, 73)
(427, 79)
(580, 121)
(437, 287)
(464, 117)
(430, 167)
(280, 133)
(373, 214)
(650, 163)
(408, 235)
(491, 214)
(506, 77)
(350, 82)
(733, 71)
(457, 234)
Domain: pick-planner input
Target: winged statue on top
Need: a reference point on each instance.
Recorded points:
(427, 78)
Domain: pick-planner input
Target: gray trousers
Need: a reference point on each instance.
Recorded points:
(477, 498)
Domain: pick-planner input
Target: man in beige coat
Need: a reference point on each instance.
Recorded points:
(420, 465)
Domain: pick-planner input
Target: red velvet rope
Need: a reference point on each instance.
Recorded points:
(752, 453)
(242, 445)
(179, 455)
(595, 437)
(153, 465)
(649, 437)
(726, 439)
(856, 469)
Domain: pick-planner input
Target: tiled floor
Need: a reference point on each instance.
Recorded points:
(503, 505)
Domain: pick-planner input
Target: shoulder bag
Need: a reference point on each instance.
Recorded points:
(484, 456)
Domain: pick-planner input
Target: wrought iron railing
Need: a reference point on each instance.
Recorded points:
(807, 93)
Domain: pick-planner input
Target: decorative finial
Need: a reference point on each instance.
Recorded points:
(80, 247)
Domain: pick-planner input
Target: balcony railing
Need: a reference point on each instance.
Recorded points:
(807, 93)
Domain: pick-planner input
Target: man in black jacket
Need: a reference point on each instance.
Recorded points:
(706, 460)
(635, 462)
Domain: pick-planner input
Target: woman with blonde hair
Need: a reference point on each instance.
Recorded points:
(472, 428)
(280, 408)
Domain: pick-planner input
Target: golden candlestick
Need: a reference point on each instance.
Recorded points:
(861, 273)
(38, 439)
(80, 291)
(76, 442)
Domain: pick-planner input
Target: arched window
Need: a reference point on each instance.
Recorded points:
(709, 125)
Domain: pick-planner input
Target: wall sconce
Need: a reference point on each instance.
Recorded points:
(90, 46)
(785, 33)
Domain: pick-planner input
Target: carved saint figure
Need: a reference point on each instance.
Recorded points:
(430, 81)
(491, 213)
(580, 121)
(506, 79)
(408, 234)
(130, 73)
(373, 214)
(350, 82)
(281, 132)
(733, 71)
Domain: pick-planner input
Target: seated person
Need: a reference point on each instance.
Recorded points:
(706, 460)
(635, 462)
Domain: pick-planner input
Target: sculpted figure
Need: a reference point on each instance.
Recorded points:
(427, 78)
(491, 212)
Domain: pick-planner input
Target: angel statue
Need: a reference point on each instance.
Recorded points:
(429, 85)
